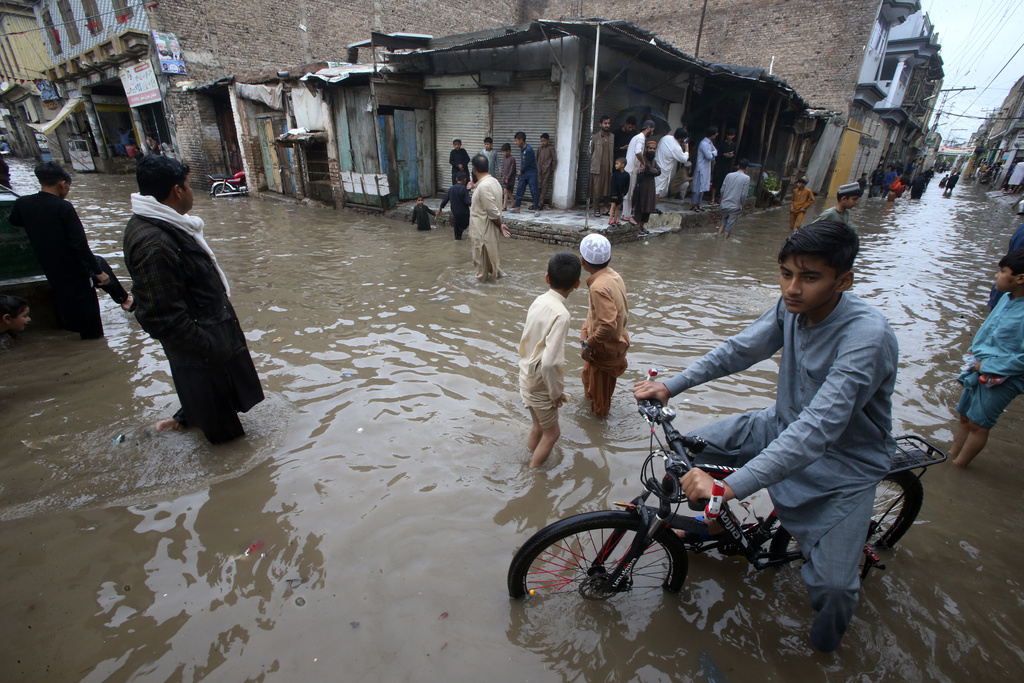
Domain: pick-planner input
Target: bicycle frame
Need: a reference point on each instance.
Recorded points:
(747, 540)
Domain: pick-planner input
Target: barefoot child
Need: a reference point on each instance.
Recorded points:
(996, 376)
(620, 186)
(508, 174)
(803, 199)
(542, 352)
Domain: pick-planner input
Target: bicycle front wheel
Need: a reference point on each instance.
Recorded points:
(574, 554)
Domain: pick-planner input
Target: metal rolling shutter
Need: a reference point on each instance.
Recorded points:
(463, 114)
(531, 106)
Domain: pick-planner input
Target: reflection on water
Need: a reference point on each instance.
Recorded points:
(386, 475)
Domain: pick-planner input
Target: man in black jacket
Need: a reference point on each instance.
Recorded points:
(181, 297)
(58, 239)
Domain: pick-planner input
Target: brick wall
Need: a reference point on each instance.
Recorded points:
(818, 46)
(226, 38)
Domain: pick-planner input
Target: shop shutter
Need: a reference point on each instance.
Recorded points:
(463, 114)
(531, 106)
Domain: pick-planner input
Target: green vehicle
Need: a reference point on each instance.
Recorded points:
(18, 265)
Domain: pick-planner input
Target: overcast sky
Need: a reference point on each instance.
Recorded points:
(978, 38)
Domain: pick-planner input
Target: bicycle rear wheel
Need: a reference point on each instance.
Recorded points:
(571, 555)
(898, 499)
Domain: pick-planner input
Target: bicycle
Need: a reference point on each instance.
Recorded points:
(593, 554)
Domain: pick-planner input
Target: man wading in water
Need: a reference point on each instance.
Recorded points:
(182, 300)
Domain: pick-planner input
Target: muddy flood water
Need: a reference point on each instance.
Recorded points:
(363, 528)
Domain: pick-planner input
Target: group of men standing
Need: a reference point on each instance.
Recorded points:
(712, 162)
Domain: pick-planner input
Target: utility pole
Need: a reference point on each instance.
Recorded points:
(700, 29)
(945, 93)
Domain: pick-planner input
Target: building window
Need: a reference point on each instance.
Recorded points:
(67, 18)
(880, 34)
(122, 12)
(93, 21)
(52, 34)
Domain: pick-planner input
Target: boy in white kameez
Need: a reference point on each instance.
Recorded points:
(542, 354)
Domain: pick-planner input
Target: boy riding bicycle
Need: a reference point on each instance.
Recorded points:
(826, 443)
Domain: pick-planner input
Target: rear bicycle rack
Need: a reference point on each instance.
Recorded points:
(913, 452)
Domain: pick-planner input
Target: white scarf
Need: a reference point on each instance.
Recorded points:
(148, 207)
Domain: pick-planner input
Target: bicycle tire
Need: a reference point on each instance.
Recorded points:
(886, 528)
(560, 558)
(885, 532)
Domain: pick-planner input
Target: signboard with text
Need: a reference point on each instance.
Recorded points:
(140, 84)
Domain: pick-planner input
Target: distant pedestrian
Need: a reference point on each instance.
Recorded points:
(619, 188)
(527, 173)
(58, 239)
(602, 157)
(458, 195)
(917, 187)
(701, 182)
(863, 182)
(896, 189)
(723, 162)
(5, 173)
(604, 339)
(846, 198)
(508, 175)
(458, 158)
(877, 177)
(803, 199)
(672, 158)
(634, 164)
(547, 160)
(951, 183)
(485, 226)
(646, 200)
(890, 176)
(421, 214)
(542, 355)
(734, 191)
(182, 301)
(994, 372)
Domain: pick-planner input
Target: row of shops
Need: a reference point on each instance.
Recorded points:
(378, 131)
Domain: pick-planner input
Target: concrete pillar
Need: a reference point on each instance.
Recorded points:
(570, 105)
(894, 84)
(240, 133)
(94, 126)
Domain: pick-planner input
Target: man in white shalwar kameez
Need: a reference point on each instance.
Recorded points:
(485, 226)
(706, 154)
(671, 152)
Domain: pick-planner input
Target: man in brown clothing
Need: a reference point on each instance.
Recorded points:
(604, 339)
(546, 162)
(602, 155)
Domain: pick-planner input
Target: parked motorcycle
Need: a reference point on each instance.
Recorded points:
(226, 186)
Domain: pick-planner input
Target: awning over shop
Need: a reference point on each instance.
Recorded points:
(301, 135)
(336, 74)
(48, 127)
